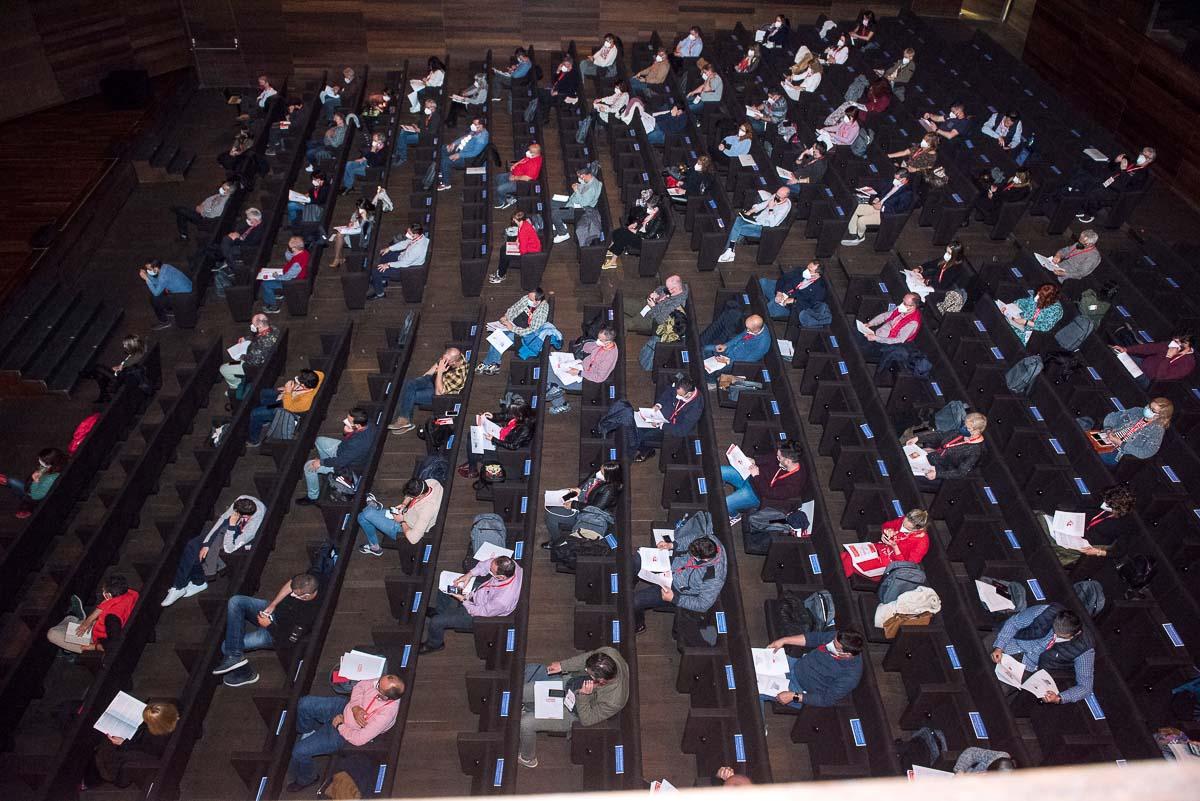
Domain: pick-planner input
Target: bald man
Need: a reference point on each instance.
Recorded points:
(749, 345)
(447, 376)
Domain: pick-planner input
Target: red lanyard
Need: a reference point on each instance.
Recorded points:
(386, 704)
(942, 272)
(779, 474)
(694, 565)
(1036, 311)
(679, 404)
(954, 443)
(1075, 253)
(1104, 515)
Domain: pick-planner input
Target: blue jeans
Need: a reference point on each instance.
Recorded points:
(354, 170)
(372, 521)
(327, 448)
(505, 186)
(294, 211)
(403, 140)
(314, 150)
(656, 137)
(776, 311)
(238, 610)
(189, 570)
(1111, 458)
(314, 717)
(494, 356)
(271, 290)
(459, 164)
(263, 413)
(415, 392)
(771, 699)
(448, 614)
(741, 228)
(638, 86)
(743, 498)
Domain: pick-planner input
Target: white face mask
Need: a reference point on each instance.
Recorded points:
(897, 181)
(692, 36)
(253, 329)
(946, 256)
(696, 168)
(1149, 413)
(564, 68)
(905, 60)
(152, 273)
(845, 118)
(528, 154)
(1106, 507)
(476, 128)
(42, 465)
(348, 424)
(807, 274)
(1141, 159)
(1176, 344)
(221, 191)
(428, 111)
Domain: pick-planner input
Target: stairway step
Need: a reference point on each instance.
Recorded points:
(72, 329)
(39, 333)
(21, 312)
(86, 348)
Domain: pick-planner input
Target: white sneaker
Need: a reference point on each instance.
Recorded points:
(173, 595)
(194, 589)
(853, 241)
(309, 168)
(561, 238)
(727, 256)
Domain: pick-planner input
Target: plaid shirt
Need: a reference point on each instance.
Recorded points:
(1031, 651)
(454, 379)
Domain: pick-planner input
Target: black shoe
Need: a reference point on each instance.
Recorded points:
(644, 455)
(425, 649)
(640, 628)
(296, 787)
(304, 500)
(545, 546)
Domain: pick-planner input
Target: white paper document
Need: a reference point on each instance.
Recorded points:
(713, 363)
(992, 599)
(739, 461)
(808, 507)
(645, 310)
(918, 460)
(480, 441)
(499, 340)
(862, 328)
(238, 350)
(1010, 670)
(1049, 264)
(1067, 528)
(122, 717)
(746, 160)
(560, 198)
(770, 670)
(297, 197)
(546, 706)
(476, 170)
(357, 666)
(270, 273)
(1094, 154)
(557, 497)
(861, 552)
(562, 363)
(916, 283)
(663, 535)
(922, 772)
(786, 175)
(490, 550)
(1009, 310)
(655, 560)
(495, 325)
(759, 35)
(649, 417)
(447, 578)
(663, 786)
(73, 635)
(787, 350)
(1129, 364)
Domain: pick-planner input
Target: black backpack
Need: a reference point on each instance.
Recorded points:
(566, 552)
(435, 436)
(432, 466)
(1136, 571)
(924, 747)
(761, 526)
(322, 561)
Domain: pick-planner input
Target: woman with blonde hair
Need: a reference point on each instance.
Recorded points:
(904, 540)
(1136, 432)
(921, 157)
(114, 754)
(803, 78)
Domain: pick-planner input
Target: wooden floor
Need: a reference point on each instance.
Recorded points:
(429, 759)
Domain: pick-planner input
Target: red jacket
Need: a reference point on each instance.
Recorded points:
(528, 239)
(299, 260)
(527, 167)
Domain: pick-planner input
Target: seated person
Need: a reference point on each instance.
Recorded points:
(872, 103)
(681, 406)
(736, 144)
(836, 53)
(941, 275)
(652, 77)
(1078, 260)
(263, 339)
(277, 136)
(750, 62)
(474, 596)
(474, 95)
(329, 724)
(898, 74)
(895, 199)
(862, 35)
(672, 295)
(599, 683)
(803, 77)
(769, 213)
(435, 76)
(843, 132)
(980, 760)
(904, 540)
(413, 516)
(447, 376)
(51, 462)
(207, 210)
(673, 121)
(462, 150)
(771, 111)
(698, 570)
(425, 128)
(602, 489)
(1125, 175)
(795, 292)
(690, 46)
(106, 620)
(585, 192)
(810, 167)
(349, 454)
(163, 281)
(1050, 638)
(948, 126)
(518, 68)
(895, 327)
(563, 89)
(517, 426)
(780, 478)
(285, 618)
(710, 91)
(236, 245)
(130, 370)
(1136, 432)
(603, 59)
(343, 235)
(1041, 312)
(524, 236)
(776, 34)
(410, 250)
(295, 268)
(256, 106)
(691, 182)
(827, 673)
(951, 454)
(373, 157)
(525, 316)
(749, 345)
(1005, 128)
(1014, 190)
(331, 142)
(201, 559)
(921, 157)
(599, 360)
(295, 397)
(1162, 361)
(614, 103)
(113, 755)
(524, 170)
(648, 225)
(1109, 530)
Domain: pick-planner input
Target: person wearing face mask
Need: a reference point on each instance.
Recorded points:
(843, 132)
(246, 236)
(1078, 260)
(526, 315)
(276, 138)
(898, 74)
(1041, 312)
(1109, 531)
(106, 620)
(201, 560)
(295, 268)
(769, 213)
(309, 210)
(51, 462)
(874, 101)
(523, 171)
(794, 292)
(348, 454)
(1007, 129)
(990, 201)
(776, 35)
(837, 53)
(1125, 175)
(295, 397)
(863, 34)
(938, 276)
(896, 326)
(903, 540)
(331, 725)
(519, 69)
(736, 144)
(459, 153)
(774, 480)
(698, 572)
(163, 281)
(828, 672)
(803, 77)
(694, 181)
(771, 111)
(1162, 361)
(563, 88)
(1050, 637)
(410, 250)
(490, 589)
(615, 103)
(423, 129)
(709, 92)
(748, 345)
(603, 60)
(373, 157)
(650, 80)
(681, 406)
(585, 193)
(526, 239)
(810, 168)
(518, 424)
(446, 376)
(209, 209)
(689, 47)
(896, 198)
(951, 454)
(599, 685)
(1136, 432)
(434, 78)
(263, 339)
(343, 235)
(947, 126)
(286, 617)
(602, 490)
(474, 95)
(257, 106)
(646, 225)
(750, 62)
(329, 144)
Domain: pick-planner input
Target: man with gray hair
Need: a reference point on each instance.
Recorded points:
(1078, 260)
(659, 304)
(262, 341)
(584, 194)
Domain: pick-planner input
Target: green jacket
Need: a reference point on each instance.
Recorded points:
(603, 702)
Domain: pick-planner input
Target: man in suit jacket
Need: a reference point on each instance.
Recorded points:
(896, 198)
